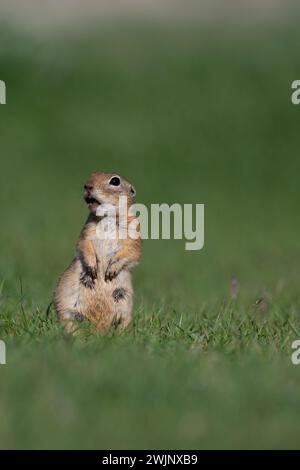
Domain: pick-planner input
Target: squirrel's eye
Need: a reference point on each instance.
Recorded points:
(115, 181)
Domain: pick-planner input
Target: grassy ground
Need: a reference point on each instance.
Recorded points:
(187, 117)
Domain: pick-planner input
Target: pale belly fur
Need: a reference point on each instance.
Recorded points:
(108, 302)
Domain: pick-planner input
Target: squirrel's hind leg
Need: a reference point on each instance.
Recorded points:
(67, 297)
(71, 320)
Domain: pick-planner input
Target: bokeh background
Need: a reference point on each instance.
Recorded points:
(191, 102)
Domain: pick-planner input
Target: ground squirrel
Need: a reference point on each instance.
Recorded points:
(97, 285)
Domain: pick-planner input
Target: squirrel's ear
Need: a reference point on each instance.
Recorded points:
(132, 191)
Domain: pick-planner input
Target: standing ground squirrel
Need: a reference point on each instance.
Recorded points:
(97, 285)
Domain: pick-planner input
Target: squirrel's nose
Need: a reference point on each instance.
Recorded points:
(88, 187)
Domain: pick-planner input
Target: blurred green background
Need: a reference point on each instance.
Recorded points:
(189, 113)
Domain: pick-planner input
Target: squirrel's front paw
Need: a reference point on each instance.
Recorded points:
(112, 271)
(88, 277)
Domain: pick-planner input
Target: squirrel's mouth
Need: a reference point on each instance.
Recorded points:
(91, 202)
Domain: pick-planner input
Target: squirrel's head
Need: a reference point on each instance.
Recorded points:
(107, 188)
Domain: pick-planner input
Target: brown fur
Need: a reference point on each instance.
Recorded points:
(101, 268)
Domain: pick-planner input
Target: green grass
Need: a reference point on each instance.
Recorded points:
(187, 117)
